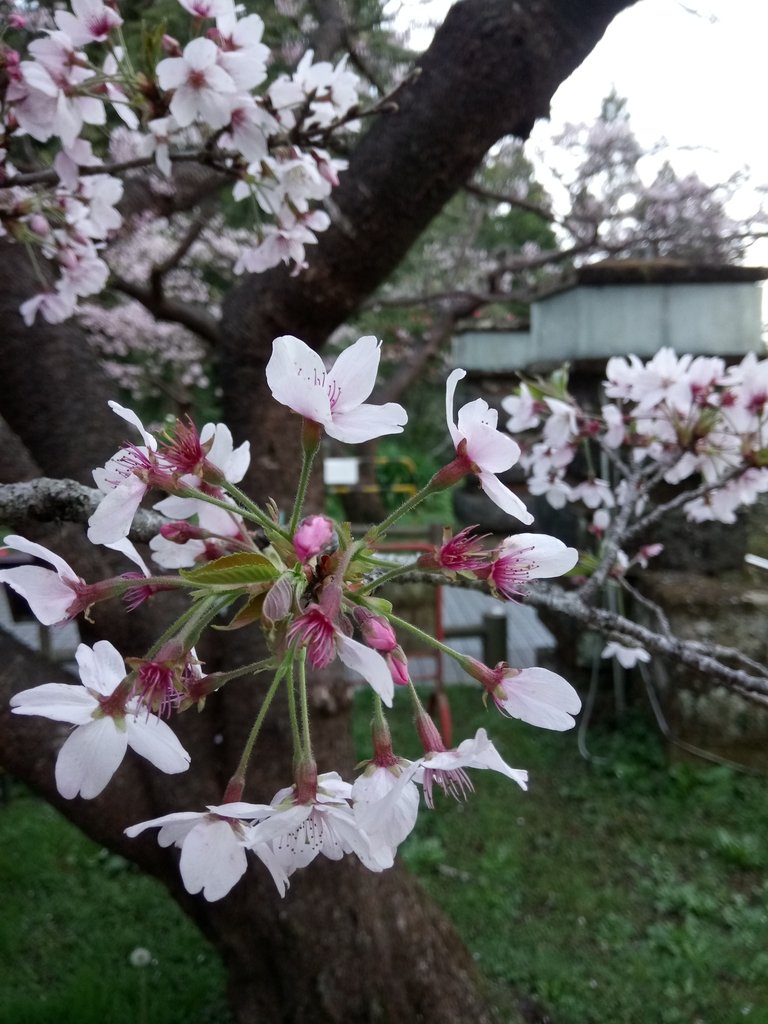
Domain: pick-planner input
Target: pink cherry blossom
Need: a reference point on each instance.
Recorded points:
(201, 88)
(485, 450)
(92, 21)
(319, 631)
(92, 753)
(529, 556)
(333, 398)
(213, 855)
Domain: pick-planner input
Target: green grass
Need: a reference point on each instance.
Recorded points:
(616, 894)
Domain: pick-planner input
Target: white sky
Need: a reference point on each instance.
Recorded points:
(694, 72)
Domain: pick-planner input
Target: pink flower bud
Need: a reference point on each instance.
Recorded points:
(398, 666)
(378, 633)
(314, 536)
(171, 46)
(180, 532)
(39, 225)
(16, 21)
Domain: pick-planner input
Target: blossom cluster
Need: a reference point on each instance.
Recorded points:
(208, 100)
(310, 587)
(685, 421)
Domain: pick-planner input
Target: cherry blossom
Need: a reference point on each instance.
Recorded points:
(92, 753)
(486, 451)
(318, 629)
(529, 556)
(626, 656)
(57, 595)
(333, 398)
(534, 695)
(201, 87)
(213, 854)
(297, 828)
(92, 21)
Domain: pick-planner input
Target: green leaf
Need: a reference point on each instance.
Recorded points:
(233, 570)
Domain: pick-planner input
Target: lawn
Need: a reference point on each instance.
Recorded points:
(619, 893)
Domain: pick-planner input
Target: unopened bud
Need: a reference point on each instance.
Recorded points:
(315, 536)
(171, 46)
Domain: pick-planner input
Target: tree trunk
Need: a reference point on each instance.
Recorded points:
(345, 945)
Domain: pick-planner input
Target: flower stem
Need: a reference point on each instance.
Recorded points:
(376, 532)
(246, 670)
(427, 639)
(239, 777)
(248, 509)
(310, 446)
(297, 746)
(307, 738)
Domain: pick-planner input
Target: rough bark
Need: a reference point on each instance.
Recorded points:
(346, 945)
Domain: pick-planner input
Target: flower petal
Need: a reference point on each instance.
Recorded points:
(157, 742)
(212, 859)
(450, 392)
(28, 547)
(366, 422)
(102, 668)
(89, 758)
(47, 595)
(62, 702)
(296, 378)
(369, 663)
(541, 698)
(506, 500)
(353, 375)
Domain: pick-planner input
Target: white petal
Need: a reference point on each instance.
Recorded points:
(369, 663)
(296, 378)
(114, 514)
(212, 859)
(200, 54)
(89, 758)
(28, 547)
(541, 698)
(48, 597)
(152, 738)
(354, 373)
(506, 500)
(548, 556)
(173, 827)
(102, 668)
(486, 446)
(450, 391)
(366, 422)
(130, 417)
(62, 702)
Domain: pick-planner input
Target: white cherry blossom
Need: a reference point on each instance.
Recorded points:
(333, 398)
(489, 452)
(93, 751)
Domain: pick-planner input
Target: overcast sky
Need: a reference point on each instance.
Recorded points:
(694, 72)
